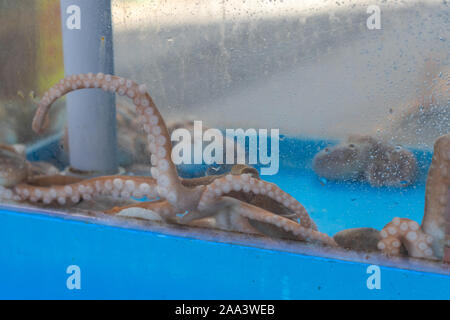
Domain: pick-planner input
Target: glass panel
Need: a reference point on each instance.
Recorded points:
(314, 121)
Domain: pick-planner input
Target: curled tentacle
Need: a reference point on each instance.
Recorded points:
(245, 183)
(163, 170)
(407, 233)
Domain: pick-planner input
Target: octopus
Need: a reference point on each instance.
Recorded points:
(368, 159)
(237, 200)
(431, 239)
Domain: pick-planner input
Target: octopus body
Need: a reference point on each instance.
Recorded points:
(222, 198)
(369, 159)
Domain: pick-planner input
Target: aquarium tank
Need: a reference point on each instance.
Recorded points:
(316, 129)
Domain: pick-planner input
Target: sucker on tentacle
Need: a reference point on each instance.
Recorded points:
(200, 200)
(405, 233)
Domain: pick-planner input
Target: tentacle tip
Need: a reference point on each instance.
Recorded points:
(113, 210)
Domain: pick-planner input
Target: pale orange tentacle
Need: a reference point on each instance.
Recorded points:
(169, 185)
(406, 232)
(246, 183)
(116, 186)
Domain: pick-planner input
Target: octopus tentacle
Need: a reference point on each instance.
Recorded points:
(406, 232)
(246, 183)
(301, 233)
(437, 196)
(161, 207)
(232, 214)
(238, 222)
(8, 194)
(197, 199)
(51, 180)
(169, 185)
(116, 186)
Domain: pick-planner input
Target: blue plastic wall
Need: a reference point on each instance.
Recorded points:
(35, 251)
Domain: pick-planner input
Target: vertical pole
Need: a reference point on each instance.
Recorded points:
(88, 47)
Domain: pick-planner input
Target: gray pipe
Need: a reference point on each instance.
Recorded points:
(88, 47)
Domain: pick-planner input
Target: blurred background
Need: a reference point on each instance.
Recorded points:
(311, 68)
